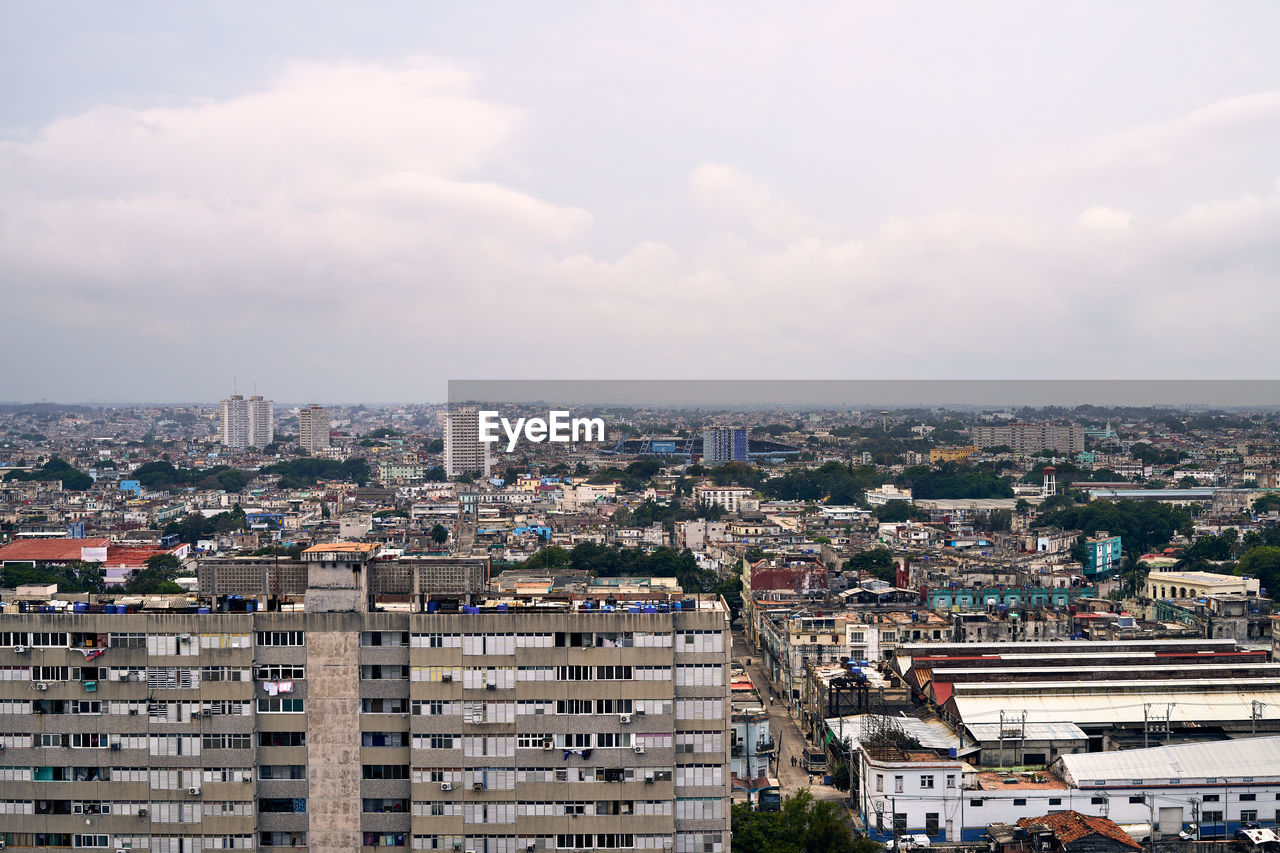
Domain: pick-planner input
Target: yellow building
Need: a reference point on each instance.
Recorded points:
(951, 454)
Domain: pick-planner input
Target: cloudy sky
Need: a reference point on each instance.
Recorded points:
(357, 202)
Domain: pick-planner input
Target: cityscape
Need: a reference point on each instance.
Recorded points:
(847, 426)
(245, 624)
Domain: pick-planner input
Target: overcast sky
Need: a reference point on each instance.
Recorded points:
(358, 202)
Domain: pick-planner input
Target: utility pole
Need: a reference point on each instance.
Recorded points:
(1195, 817)
(1151, 826)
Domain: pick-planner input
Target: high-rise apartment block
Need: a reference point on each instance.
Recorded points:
(349, 719)
(464, 452)
(722, 444)
(1064, 439)
(247, 423)
(313, 428)
(262, 422)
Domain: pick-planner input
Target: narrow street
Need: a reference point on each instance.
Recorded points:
(784, 731)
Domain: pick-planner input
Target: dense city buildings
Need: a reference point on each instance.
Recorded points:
(1064, 438)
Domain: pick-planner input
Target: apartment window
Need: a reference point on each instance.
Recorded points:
(1210, 817)
(282, 805)
(951, 780)
(899, 822)
(879, 783)
(1248, 798)
(1019, 801)
(930, 823)
(282, 771)
(279, 705)
(281, 638)
(1248, 814)
(1055, 801)
(282, 738)
(385, 771)
(897, 784)
(926, 782)
(1137, 799)
(1211, 798)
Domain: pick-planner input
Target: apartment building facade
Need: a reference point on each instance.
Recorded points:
(313, 428)
(487, 730)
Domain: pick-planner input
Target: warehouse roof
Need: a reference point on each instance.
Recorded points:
(1097, 705)
(1223, 760)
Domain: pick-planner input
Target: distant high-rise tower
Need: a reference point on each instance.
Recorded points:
(313, 428)
(262, 422)
(464, 453)
(722, 444)
(247, 423)
(235, 422)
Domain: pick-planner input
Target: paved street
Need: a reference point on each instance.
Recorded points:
(784, 731)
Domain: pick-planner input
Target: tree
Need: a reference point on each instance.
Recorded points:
(1262, 563)
(877, 561)
(439, 534)
(893, 512)
(435, 445)
(803, 825)
(841, 777)
(156, 577)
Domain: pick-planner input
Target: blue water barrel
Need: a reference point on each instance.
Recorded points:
(202, 610)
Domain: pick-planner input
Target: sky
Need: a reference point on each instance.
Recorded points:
(359, 202)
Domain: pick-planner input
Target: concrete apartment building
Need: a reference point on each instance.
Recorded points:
(313, 428)
(464, 452)
(355, 720)
(247, 423)
(721, 444)
(1063, 438)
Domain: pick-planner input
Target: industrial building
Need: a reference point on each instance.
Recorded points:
(346, 718)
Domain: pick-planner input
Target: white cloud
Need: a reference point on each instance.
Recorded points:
(339, 235)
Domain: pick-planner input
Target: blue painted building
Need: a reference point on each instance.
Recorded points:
(1102, 555)
(1013, 596)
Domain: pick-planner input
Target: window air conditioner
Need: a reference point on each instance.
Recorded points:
(143, 812)
(640, 712)
(20, 650)
(40, 685)
(445, 786)
(491, 687)
(195, 792)
(624, 718)
(639, 750)
(446, 678)
(133, 712)
(478, 786)
(549, 744)
(248, 777)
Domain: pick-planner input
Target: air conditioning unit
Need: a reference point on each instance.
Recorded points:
(624, 718)
(20, 650)
(40, 685)
(491, 687)
(640, 712)
(477, 786)
(639, 750)
(195, 792)
(246, 778)
(445, 786)
(143, 812)
(133, 712)
(206, 712)
(549, 744)
(446, 678)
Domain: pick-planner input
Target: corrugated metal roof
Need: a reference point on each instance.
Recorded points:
(932, 734)
(1226, 759)
(1096, 708)
(1034, 731)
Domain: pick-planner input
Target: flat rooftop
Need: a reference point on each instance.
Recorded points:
(994, 780)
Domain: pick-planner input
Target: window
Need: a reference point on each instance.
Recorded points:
(282, 738)
(282, 805)
(879, 783)
(1137, 799)
(1211, 798)
(930, 823)
(1248, 814)
(899, 821)
(897, 784)
(1248, 798)
(281, 638)
(385, 771)
(926, 782)
(977, 803)
(1097, 801)
(279, 705)
(282, 771)
(1210, 817)
(1055, 801)
(1020, 801)
(951, 780)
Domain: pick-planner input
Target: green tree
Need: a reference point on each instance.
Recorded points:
(803, 825)
(439, 534)
(841, 777)
(877, 561)
(156, 577)
(1262, 563)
